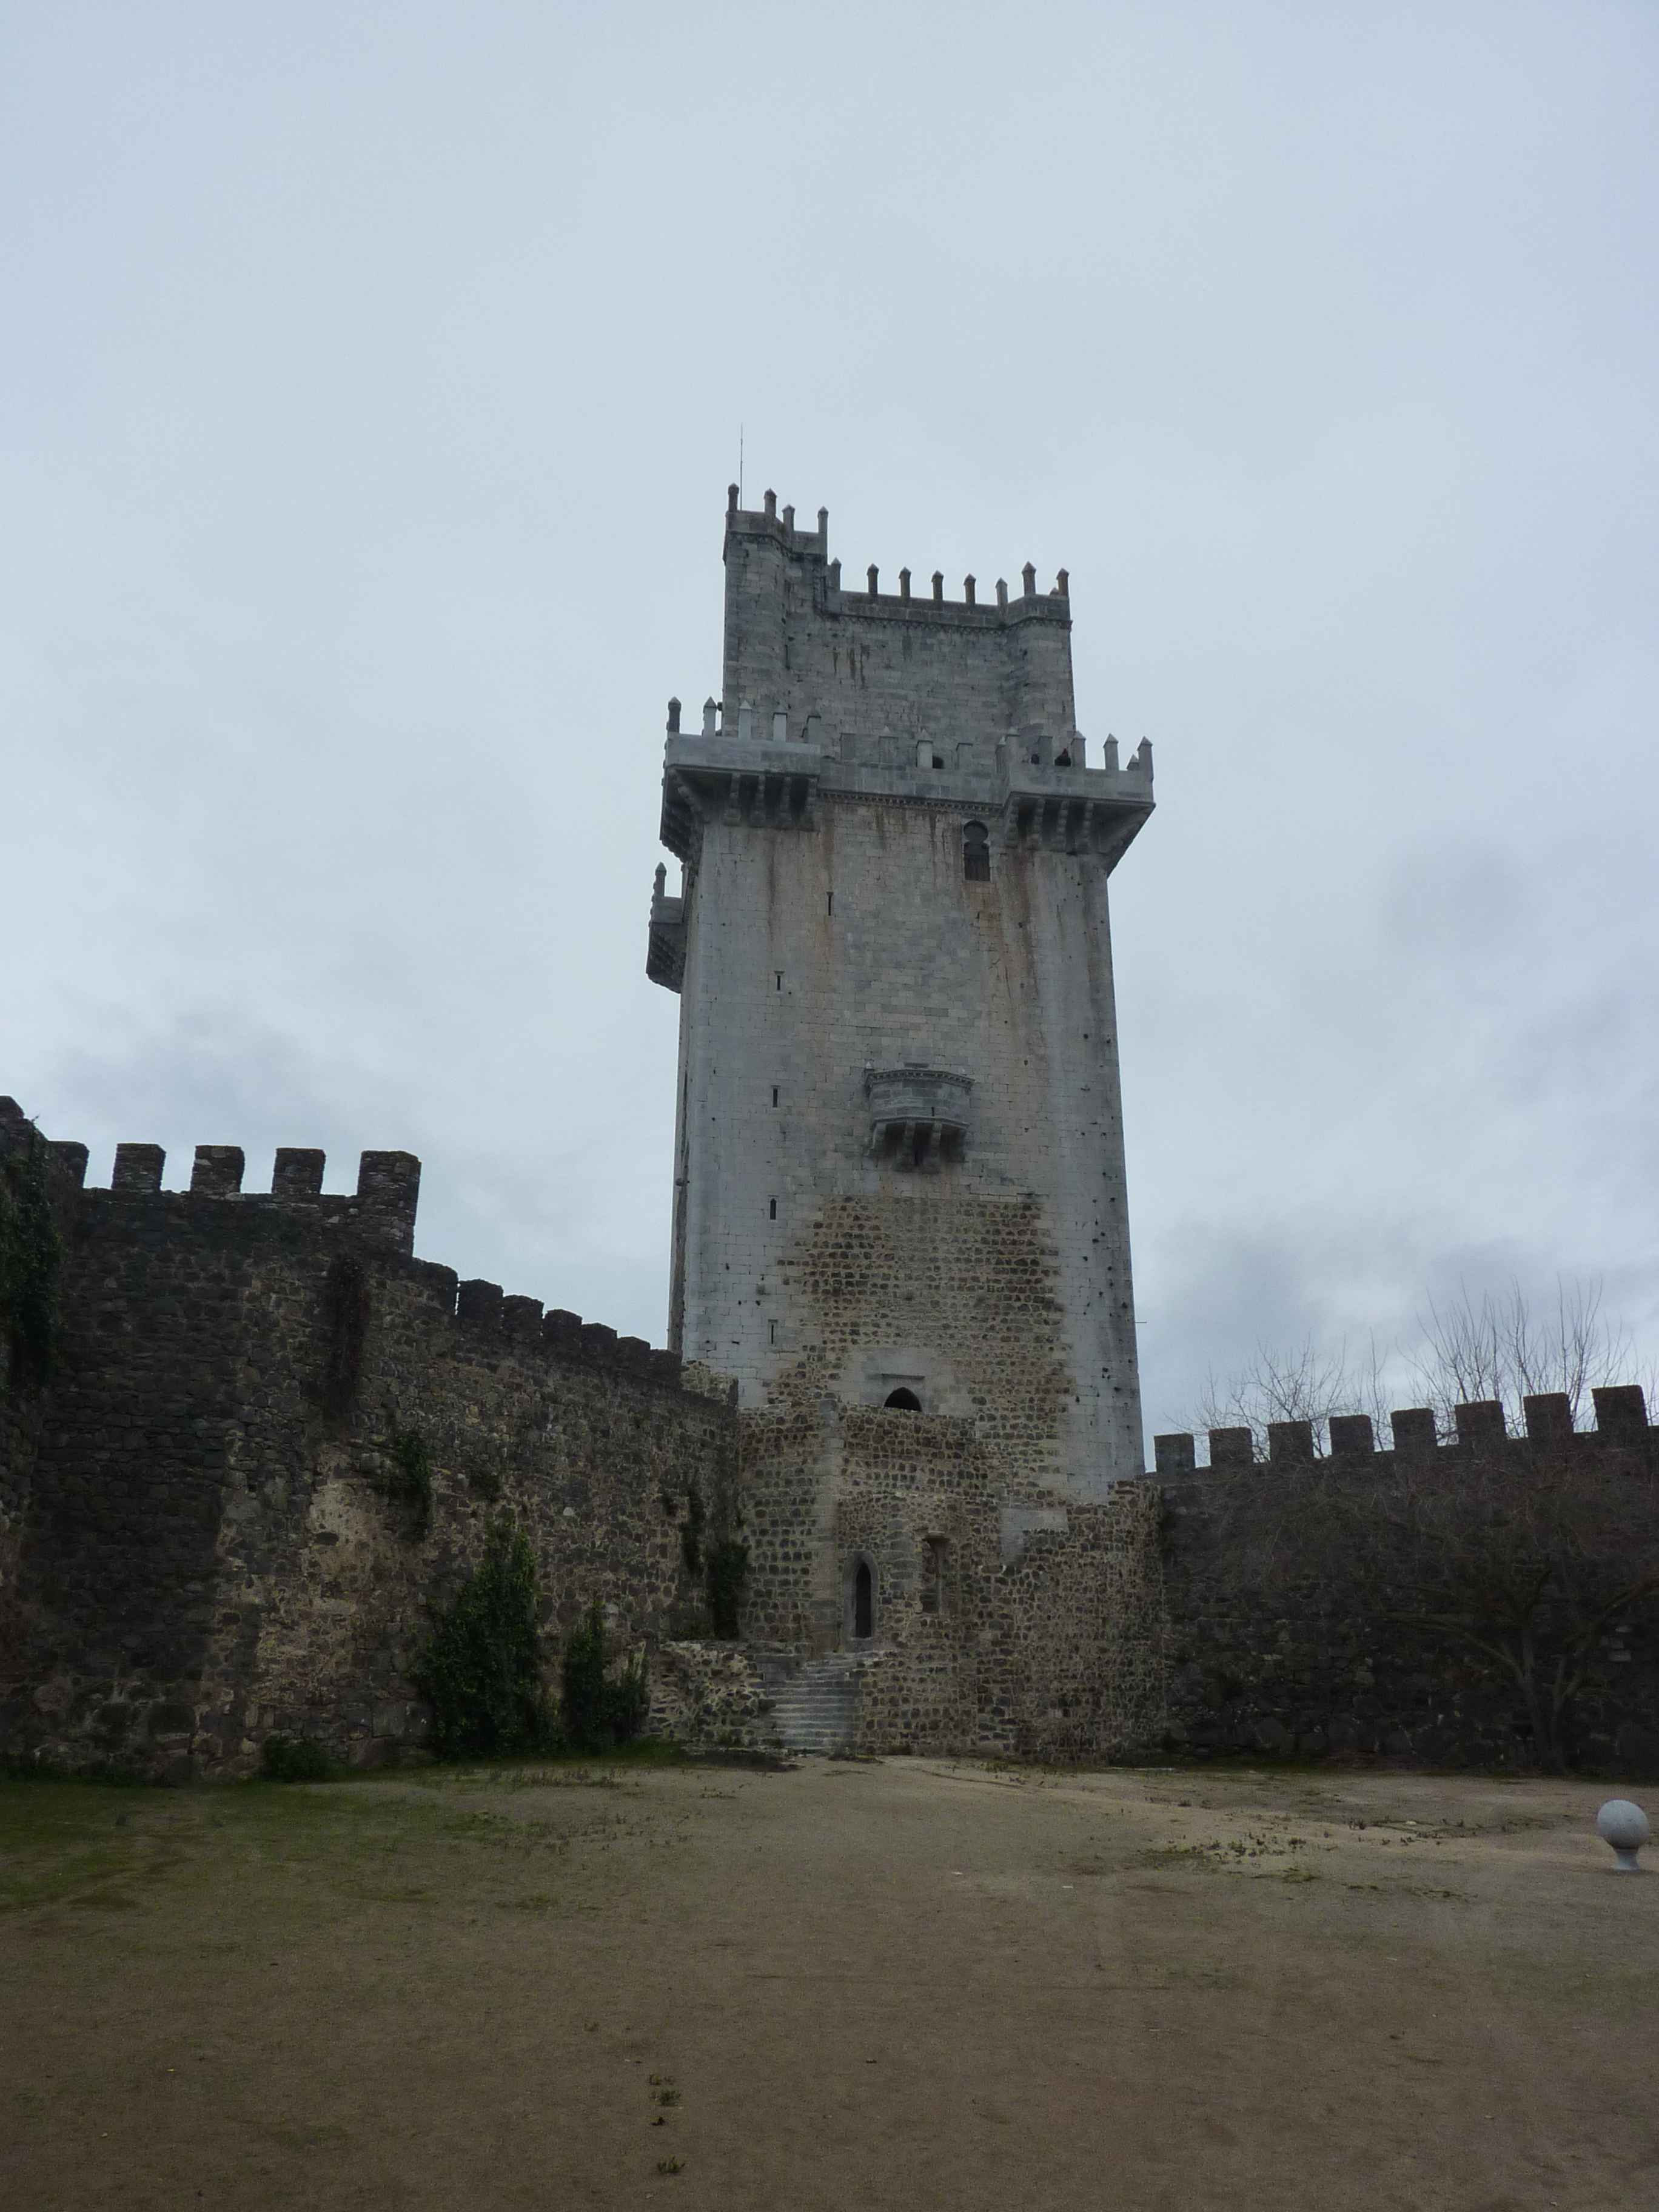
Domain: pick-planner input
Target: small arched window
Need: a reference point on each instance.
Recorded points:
(864, 1600)
(976, 853)
(902, 1402)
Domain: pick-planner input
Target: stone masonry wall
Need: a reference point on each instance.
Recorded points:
(1053, 1654)
(1007, 1619)
(1285, 1666)
(210, 1539)
(22, 1402)
(812, 958)
(797, 642)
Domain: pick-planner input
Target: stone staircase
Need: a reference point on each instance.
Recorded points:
(815, 1702)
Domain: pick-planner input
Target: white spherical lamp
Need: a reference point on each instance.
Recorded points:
(1625, 1826)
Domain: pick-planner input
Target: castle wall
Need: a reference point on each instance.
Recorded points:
(1006, 1620)
(1271, 1651)
(213, 1540)
(1046, 1645)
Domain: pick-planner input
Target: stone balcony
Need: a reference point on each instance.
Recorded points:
(919, 1115)
(664, 956)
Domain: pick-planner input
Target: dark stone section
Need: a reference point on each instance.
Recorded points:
(217, 1171)
(1621, 1411)
(202, 1537)
(138, 1166)
(1549, 1414)
(1290, 1443)
(1263, 1662)
(1413, 1430)
(298, 1174)
(1481, 1423)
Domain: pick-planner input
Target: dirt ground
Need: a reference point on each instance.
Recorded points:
(906, 1982)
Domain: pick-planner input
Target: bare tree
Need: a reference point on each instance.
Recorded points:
(1306, 1384)
(1519, 1555)
(1502, 1347)
(1498, 1346)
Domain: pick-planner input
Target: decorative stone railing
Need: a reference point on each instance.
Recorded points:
(919, 1116)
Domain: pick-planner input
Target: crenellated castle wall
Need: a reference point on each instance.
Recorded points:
(208, 1536)
(1264, 1655)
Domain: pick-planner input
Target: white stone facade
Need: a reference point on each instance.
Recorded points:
(894, 955)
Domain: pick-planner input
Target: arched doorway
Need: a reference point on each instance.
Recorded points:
(903, 1401)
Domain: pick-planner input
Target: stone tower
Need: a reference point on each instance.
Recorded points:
(899, 1176)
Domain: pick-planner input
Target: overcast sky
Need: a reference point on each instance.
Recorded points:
(372, 380)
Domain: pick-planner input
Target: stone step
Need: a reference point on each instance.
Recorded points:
(812, 1703)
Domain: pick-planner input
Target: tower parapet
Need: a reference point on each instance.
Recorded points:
(835, 693)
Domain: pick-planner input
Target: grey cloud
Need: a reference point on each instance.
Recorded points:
(376, 391)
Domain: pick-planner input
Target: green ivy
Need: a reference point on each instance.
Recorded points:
(728, 1570)
(480, 1670)
(413, 1477)
(600, 1710)
(31, 1254)
(691, 1529)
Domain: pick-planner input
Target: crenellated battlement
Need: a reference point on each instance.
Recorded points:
(834, 692)
(380, 1215)
(838, 660)
(1621, 1419)
(776, 528)
(484, 1314)
(381, 1210)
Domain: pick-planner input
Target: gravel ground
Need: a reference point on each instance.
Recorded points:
(900, 1983)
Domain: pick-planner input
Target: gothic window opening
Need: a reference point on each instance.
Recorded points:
(935, 1559)
(977, 853)
(902, 1402)
(864, 1600)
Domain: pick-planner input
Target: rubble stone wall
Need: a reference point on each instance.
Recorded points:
(1278, 1662)
(209, 1531)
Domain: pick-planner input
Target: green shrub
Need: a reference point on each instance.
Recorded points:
(411, 1480)
(691, 1529)
(728, 1570)
(480, 1670)
(284, 1759)
(600, 1710)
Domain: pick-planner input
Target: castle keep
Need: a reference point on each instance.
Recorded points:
(900, 1217)
(900, 1391)
(898, 1051)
